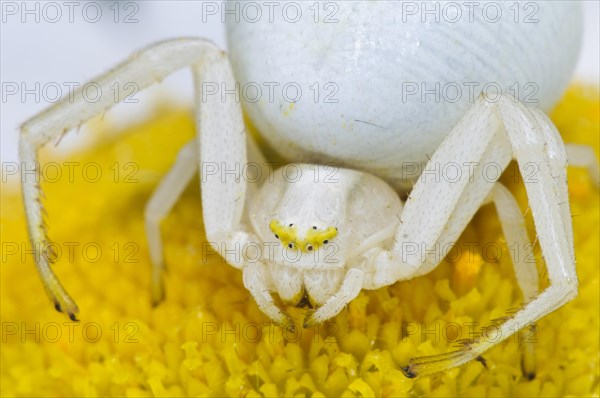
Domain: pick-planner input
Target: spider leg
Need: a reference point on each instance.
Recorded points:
(515, 233)
(166, 195)
(489, 133)
(350, 288)
(254, 276)
(535, 142)
(222, 140)
(437, 209)
(160, 204)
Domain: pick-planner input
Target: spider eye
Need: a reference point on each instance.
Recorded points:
(314, 227)
(325, 242)
(309, 247)
(291, 245)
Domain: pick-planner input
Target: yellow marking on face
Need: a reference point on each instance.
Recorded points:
(286, 234)
(313, 240)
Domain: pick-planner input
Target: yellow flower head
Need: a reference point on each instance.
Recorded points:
(209, 338)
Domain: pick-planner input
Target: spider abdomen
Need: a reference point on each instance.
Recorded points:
(380, 85)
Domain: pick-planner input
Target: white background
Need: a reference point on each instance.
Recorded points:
(76, 52)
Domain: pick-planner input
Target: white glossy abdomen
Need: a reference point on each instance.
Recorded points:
(375, 54)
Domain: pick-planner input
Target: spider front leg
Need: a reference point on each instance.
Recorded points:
(224, 188)
(166, 195)
(222, 140)
(255, 280)
(489, 133)
(348, 291)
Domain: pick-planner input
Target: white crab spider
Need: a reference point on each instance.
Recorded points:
(358, 214)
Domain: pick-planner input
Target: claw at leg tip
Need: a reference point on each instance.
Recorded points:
(308, 322)
(289, 325)
(481, 360)
(408, 372)
(157, 299)
(71, 314)
(158, 295)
